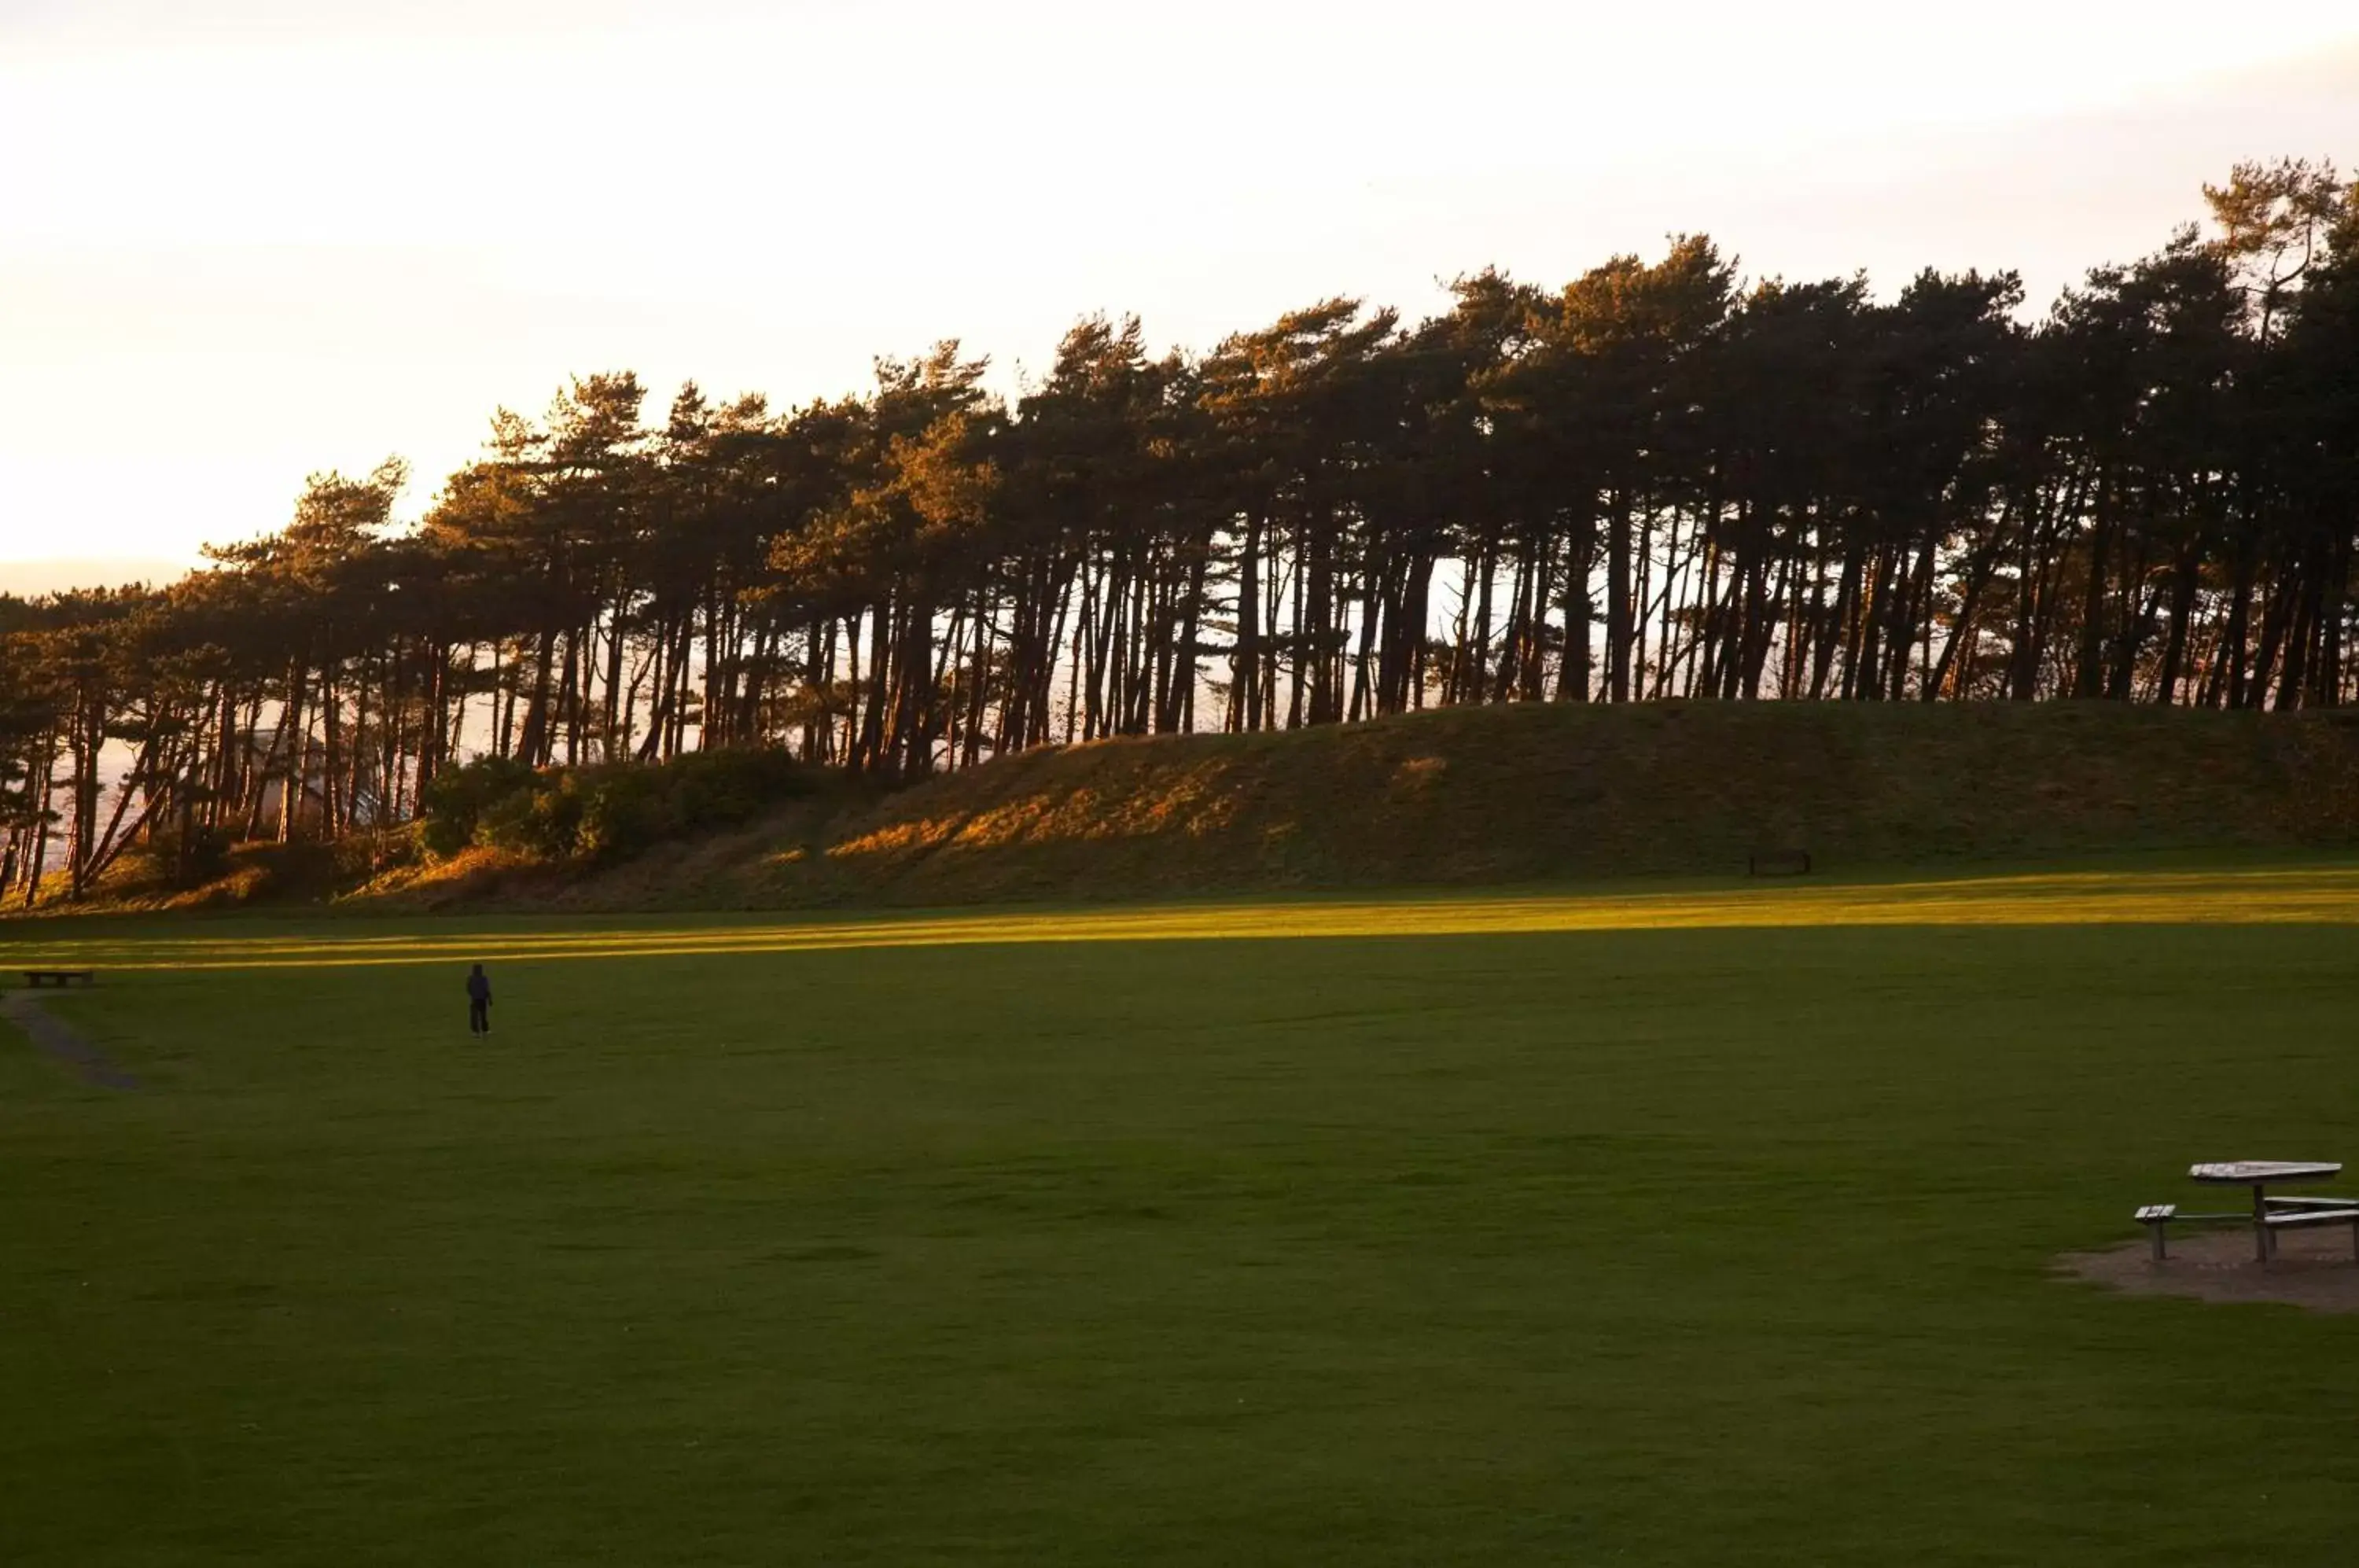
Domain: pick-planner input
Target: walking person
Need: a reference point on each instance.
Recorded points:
(479, 1001)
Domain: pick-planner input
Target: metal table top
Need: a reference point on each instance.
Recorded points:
(2254, 1172)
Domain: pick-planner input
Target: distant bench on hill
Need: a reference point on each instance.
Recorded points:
(1777, 863)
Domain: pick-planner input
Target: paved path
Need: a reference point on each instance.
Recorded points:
(63, 1042)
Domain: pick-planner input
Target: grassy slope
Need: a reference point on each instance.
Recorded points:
(1462, 797)
(1543, 793)
(1671, 1247)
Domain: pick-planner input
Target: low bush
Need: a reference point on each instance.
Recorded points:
(374, 850)
(455, 804)
(192, 861)
(608, 812)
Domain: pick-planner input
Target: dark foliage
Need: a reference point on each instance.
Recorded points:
(602, 812)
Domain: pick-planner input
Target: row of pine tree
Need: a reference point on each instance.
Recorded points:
(1655, 481)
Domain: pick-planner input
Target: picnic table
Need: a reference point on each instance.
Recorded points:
(2258, 1175)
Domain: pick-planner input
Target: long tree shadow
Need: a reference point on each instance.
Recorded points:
(63, 1043)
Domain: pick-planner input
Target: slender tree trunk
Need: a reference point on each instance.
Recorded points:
(1618, 630)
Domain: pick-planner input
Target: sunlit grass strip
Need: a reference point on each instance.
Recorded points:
(2308, 897)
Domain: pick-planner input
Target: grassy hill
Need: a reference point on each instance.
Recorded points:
(1462, 797)
(1530, 793)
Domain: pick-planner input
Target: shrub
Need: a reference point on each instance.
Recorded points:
(541, 820)
(455, 803)
(201, 858)
(623, 810)
(602, 812)
(626, 809)
(373, 850)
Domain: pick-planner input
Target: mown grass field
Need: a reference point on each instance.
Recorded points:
(1691, 1227)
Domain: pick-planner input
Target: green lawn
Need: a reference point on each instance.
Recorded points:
(1717, 1242)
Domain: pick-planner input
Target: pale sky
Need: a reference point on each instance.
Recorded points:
(245, 240)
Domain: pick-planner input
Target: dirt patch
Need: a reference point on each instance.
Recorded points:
(2313, 1269)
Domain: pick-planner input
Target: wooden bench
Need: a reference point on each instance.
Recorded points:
(2160, 1217)
(37, 978)
(2304, 1215)
(1778, 863)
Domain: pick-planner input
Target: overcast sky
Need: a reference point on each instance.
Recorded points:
(242, 241)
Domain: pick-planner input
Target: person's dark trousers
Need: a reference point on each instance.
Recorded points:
(479, 1017)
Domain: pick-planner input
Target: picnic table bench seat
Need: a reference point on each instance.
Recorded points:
(2159, 1217)
(2306, 1218)
(2298, 1219)
(37, 978)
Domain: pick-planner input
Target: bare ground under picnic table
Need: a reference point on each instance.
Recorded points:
(2313, 1270)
